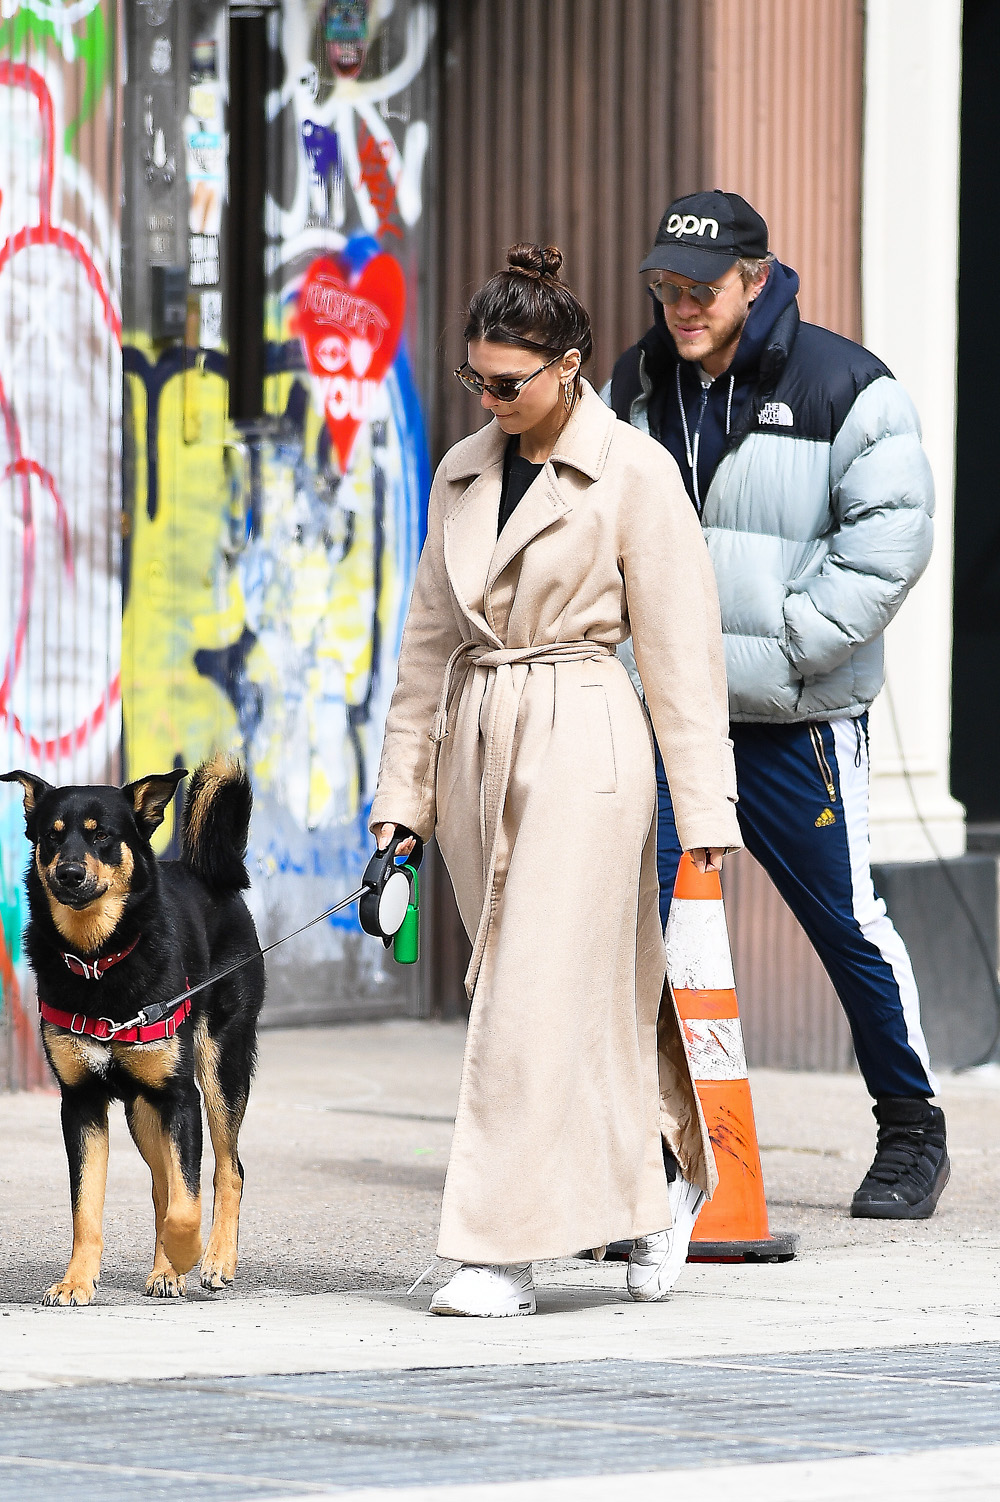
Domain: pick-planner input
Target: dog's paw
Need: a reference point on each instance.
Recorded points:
(166, 1285)
(214, 1277)
(71, 1291)
(218, 1266)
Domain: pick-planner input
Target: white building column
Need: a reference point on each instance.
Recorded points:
(909, 291)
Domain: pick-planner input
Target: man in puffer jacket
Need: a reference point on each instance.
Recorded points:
(803, 457)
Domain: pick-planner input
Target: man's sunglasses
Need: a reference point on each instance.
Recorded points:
(505, 390)
(703, 293)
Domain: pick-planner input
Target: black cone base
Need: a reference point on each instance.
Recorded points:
(781, 1247)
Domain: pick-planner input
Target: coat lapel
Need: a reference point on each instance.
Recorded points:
(470, 531)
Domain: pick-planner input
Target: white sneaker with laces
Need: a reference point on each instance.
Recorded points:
(493, 1292)
(656, 1261)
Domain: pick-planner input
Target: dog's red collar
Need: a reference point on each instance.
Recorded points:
(94, 969)
(105, 1030)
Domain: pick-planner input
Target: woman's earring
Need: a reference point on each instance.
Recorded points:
(567, 394)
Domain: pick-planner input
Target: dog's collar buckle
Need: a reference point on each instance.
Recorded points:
(94, 969)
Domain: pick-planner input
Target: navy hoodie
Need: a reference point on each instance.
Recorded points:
(728, 394)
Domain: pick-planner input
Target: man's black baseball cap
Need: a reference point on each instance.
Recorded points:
(702, 235)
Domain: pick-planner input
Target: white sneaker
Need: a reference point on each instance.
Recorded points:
(493, 1292)
(656, 1261)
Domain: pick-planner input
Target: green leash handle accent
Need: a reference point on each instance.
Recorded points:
(406, 942)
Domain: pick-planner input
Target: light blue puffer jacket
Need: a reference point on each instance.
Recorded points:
(818, 521)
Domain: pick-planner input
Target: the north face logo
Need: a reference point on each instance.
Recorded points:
(775, 415)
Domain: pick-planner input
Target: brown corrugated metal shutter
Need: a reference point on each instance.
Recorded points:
(785, 121)
(789, 1010)
(571, 122)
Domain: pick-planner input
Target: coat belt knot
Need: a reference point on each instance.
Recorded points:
(511, 666)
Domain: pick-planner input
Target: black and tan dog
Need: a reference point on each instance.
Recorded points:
(114, 935)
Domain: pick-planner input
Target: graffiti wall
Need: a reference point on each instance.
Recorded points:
(60, 412)
(270, 558)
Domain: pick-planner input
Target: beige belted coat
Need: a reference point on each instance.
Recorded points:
(516, 737)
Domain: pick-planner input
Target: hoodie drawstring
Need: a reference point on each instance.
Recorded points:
(692, 444)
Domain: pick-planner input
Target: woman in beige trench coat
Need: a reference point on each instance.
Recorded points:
(516, 738)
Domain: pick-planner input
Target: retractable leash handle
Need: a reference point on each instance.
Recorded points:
(388, 909)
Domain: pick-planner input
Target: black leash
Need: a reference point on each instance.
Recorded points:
(154, 1013)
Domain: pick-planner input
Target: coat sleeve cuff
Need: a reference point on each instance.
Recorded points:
(387, 809)
(710, 833)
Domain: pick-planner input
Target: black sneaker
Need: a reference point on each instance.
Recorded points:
(911, 1164)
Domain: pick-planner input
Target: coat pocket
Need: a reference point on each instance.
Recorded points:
(600, 741)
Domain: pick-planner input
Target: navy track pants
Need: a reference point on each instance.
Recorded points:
(803, 814)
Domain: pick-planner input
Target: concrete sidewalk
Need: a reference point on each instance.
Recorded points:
(345, 1148)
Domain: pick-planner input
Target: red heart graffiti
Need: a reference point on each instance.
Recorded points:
(350, 332)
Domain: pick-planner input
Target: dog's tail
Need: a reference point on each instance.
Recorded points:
(216, 823)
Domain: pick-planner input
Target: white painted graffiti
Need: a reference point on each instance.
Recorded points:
(338, 305)
(60, 400)
(63, 15)
(351, 117)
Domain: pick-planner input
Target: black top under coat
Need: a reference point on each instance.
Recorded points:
(518, 475)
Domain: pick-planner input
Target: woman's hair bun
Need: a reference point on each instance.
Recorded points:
(529, 305)
(536, 260)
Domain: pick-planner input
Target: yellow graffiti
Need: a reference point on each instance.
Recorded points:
(180, 598)
(297, 595)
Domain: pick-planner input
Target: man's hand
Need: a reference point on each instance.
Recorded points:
(704, 860)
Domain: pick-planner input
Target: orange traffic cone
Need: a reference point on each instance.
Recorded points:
(733, 1225)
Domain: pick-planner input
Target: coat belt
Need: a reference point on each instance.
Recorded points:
(510, 664)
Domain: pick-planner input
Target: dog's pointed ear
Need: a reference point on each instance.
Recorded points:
(149, 797)
(34, 788)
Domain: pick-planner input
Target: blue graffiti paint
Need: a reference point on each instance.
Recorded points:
(322, 148)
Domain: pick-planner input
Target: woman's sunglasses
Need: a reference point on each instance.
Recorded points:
(505, 390)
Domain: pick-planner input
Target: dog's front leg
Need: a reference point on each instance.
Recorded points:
(85, 1132)
(164, 1281)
